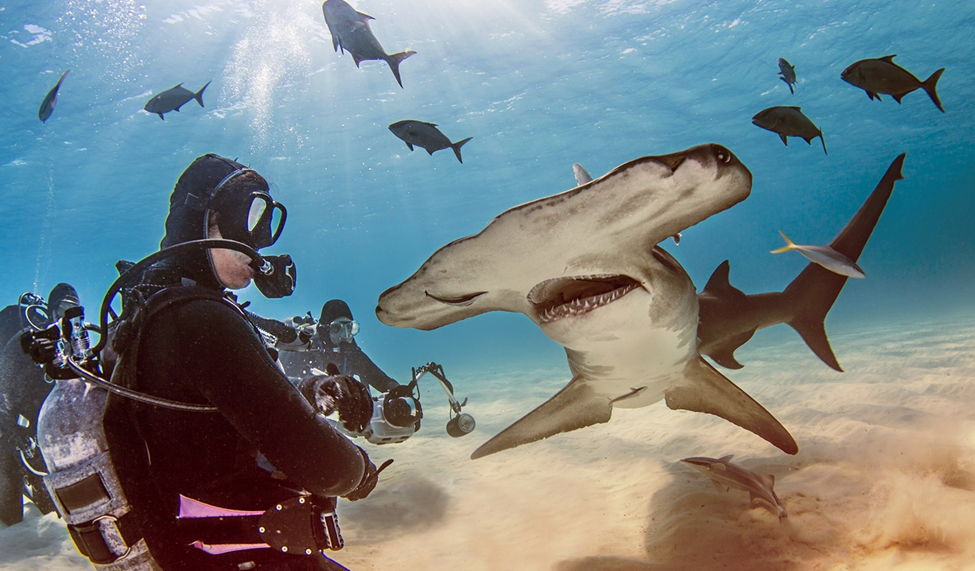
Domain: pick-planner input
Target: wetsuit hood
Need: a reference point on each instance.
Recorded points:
(192, 198)
(332, 310)
(61, 295)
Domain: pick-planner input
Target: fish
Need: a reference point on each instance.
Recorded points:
(883, 76)
(583, 177)
(426, 136)
(825, 257)
(787, 73)
(351, 33)
(725, 475)
(172, 99)
(788, 122)
(50, 100)
(582, 265)
(729, 317)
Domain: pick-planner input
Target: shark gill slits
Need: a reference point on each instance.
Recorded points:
(664, 257)
(462, 301)
(558, 298)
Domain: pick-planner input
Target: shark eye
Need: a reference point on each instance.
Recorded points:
(722, 154)
(462, 301)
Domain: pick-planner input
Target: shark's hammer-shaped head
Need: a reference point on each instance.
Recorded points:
(575, 251)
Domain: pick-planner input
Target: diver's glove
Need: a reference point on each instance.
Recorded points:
(42, 346)
(339, 393)
(282, 279)
(370, 477)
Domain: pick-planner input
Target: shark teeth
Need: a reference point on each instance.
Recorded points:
(559, 298)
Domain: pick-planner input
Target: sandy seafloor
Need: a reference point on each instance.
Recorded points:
(885, 476)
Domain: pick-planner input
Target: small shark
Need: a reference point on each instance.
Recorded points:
(426, 136)
(788, 122)
(824, 256)
(883, 76)
(729, 318)
(583, 266)
(350, 32)
(50, 100)
(787, 73)
(172, 99)
(726, 475)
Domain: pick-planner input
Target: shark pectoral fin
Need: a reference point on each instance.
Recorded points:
(704, 389)
(575, 406)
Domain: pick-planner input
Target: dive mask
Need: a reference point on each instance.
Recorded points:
(257, 220)
(343, 329)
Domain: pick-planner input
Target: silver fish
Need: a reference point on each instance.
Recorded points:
(883, 76)
(824, 256)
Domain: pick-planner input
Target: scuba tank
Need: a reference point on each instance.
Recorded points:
(81, 480)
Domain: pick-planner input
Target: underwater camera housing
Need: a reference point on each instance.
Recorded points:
(396, 414)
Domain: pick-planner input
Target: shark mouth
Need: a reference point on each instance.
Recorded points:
(558, 298)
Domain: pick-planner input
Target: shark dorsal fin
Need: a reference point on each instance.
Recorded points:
(365, 17)
(726, 458)
(888, 59)
(719, 284)
(796, 108)
(704, 389)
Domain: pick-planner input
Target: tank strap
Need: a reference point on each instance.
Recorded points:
(94, 539)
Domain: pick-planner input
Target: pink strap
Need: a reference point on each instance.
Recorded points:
(190, 508)
(221, 548)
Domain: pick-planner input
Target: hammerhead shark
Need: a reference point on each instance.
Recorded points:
(729, 317)
(583, 265)
(726, 475)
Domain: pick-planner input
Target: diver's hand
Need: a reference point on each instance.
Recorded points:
(340, 393)
(42, 346)
(305, 333)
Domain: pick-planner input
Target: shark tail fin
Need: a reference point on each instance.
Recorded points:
(575, 406)
(199, 94)
(930, 87)
(789, 245)
(704, 389)
(394, 61)
(456, 147)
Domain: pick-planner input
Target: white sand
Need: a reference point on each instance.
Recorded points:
(885, 476)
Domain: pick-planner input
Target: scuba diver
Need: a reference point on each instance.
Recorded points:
(223, 462)
(332, 341)
(22, 390)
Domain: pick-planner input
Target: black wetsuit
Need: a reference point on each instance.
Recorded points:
(347, 356)
(22, 391)
(204, 351)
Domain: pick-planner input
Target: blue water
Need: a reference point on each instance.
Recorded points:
(538, 85)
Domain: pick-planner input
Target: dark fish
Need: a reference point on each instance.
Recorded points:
(787, 73)
(172, 99)
(883, 76)
(350, 31)
(788, 122)
(47, 106)
(425, 135)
